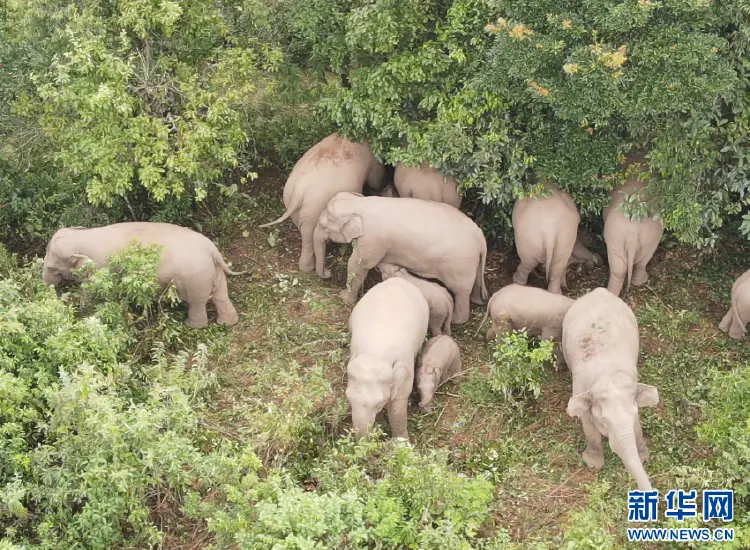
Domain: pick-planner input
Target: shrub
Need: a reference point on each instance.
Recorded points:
(518, 365)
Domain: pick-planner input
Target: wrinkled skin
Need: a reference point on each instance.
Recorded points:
(426, 183)
(388, 328)
(439, 299)
(389, 191)
(189, 259)
(545, 231)
(430, 239)
(600, 342)
(738, 315)
(332, 165)
(630, 244)
(539, 311)
(440, 361)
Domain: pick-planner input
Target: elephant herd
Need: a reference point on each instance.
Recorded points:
(431, 257)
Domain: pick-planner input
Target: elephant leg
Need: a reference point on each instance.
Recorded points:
(197, 316)
(307, 256)
(227, 314)
(640, 443)
(554, 335)
(726, 322)
(640, 277)
(397, 417)
(499, 327)
(436, 326)
(593, 456)
(618, 271)
(461, 305)
(527, 265)
(556, 276)
(736, 330)
(355, 276)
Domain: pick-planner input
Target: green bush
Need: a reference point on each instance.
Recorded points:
(518, 365)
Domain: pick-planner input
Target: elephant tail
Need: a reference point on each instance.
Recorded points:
(294, 205)
(484, 319)
(479, 281)
(219, 261)
(630, 257)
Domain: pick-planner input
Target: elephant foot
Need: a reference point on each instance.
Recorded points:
(639, 281)
(736, 334)
(228, 320)
(196, 324)
(326, 274)
(425, 408)
(348, 297)
(306, 265)
(593, 459)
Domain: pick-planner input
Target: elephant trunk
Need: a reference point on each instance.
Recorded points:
(623, 444)
(363, 421)
(427, 385)
(320, 239)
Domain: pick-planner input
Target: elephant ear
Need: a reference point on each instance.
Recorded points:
(579, 405)
(352, 228)
(399, 376)
(77, 260)
(648, 396)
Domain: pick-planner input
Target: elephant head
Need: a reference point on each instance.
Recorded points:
(62, 257)
(371, 383)
(613, 407)
(338, 223)
(389, 270)
(428, 380)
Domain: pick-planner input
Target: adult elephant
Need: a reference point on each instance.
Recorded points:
(426, 183)
(333, 165)
(430, 239)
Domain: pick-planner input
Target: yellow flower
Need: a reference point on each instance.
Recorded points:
(645, 3)
(567, 23)
(571, 68)
(520, 32)
(502, 22)
(616, 59)
(538, 88)
(490, 28)
(617, 74)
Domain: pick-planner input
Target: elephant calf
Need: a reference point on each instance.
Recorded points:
(438, 298)
(426, 183)
(189, 260)
(600, 343)
(545, 230)
(630, 243)
(440, 361)
(388, 328)
(582, 255)
(739, 313)
(538, 311)
(332, 165)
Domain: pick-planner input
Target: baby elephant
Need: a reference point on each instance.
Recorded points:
(189, 260)
(388, 327)
(440, 361)
(389, 191)
(438, 298)
(426, 183)
(739, 313)
(582, 255)
(538, 311)
(600, 342)
(545, 230)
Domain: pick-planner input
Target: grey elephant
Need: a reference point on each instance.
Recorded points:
(738, 315)
(389, 191)
(630, 243)
(439, 362)
(539, 311)
(426, 183)
(430, 239)
(189, 260)
(545, 230)
(332, 165)
(388, 327)
(601, 343)
(438, 298)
